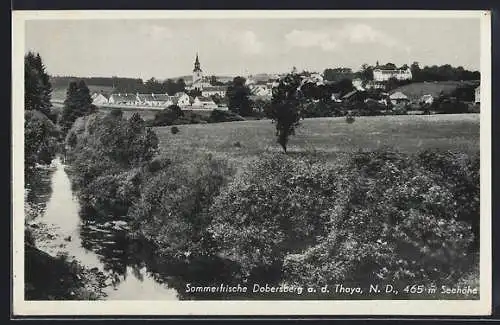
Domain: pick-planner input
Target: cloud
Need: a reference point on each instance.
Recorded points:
(331, 40)
(250, 44)
(361, 33)
(310, 38)
(245, 41)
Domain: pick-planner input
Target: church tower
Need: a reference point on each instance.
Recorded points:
(197, 74)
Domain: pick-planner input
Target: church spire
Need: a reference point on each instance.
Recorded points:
(196, 64)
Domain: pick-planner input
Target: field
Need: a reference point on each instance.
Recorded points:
(418, 89)
(328, 136)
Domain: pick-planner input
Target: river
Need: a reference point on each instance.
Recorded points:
(93, 244)
(133, 269)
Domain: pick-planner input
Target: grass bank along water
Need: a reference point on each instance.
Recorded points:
(359, 218)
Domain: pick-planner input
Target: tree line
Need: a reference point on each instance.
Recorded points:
(126, 85)
(444, 72)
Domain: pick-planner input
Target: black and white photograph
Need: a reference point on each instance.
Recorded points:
(251, 162)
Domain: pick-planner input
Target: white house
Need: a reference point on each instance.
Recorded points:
(99, 99)
(260, 90)
(386, 74)
(477, 95)
(182, 99)
(399, 98)
(155, 100)
(208, 91)
(358, 84)
(124, 99)
(201, 102)
(426, 99)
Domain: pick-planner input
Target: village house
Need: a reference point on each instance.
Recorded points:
(182, 99)
(336, 97)
(99, 99)
(208, 91)
(123, 99)
(358, 84)
(201, 102)
(158, 100)
(399, 98)
(260, 90)
(354, 96)
(426, 99)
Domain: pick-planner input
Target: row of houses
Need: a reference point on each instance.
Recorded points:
(395, 98)
(180, 99)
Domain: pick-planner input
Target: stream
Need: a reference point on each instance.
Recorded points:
(94, 244)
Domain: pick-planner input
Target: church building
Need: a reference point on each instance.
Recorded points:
(197, 75)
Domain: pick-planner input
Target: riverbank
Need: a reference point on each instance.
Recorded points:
(51, 271)
(68, 279)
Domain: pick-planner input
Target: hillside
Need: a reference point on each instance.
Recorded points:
(418, 89)
(328, 136)
(59, 93)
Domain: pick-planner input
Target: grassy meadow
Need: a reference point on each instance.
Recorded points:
(416, 90)
(325, 213)
(328, 136)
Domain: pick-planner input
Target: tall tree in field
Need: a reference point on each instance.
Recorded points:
(37, 87)
(237, 95)
(286, 107)
(77, 103)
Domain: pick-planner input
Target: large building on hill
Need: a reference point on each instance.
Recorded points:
(382, 74)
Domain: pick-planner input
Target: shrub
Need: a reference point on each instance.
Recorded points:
(274, 208)
(40, 139)
(110, 196)
(322, 108)
(108, 144)
(217, 116)
(172, 209)
(396, 221)
(167, 116)
(381, 216)
(174, 130)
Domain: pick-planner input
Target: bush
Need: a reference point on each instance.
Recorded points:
(108, 144)
(381, 216)
(110, 196)
(167, 116)
(172, 209)
(450, 105)
(174, 130)
(397, 221)
(40, 139)
(275, 208)
(217, 116)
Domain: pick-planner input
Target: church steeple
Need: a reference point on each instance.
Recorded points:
(197, 64)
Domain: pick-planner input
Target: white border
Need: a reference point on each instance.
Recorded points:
(383, 307)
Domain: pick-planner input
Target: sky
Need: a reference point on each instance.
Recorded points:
(167, 48)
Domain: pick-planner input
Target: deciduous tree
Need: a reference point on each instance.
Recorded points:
(286, 107)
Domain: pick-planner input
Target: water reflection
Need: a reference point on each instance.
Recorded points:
(38, 190)
(135, 270)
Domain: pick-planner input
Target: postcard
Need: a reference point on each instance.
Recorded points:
(251, 163)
